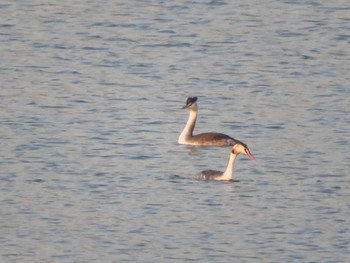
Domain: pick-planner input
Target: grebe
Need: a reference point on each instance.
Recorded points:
(203, 139)
(228, 174)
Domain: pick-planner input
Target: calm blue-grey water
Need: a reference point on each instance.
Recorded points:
(90, 98)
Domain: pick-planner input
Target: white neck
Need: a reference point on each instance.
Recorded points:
(188, 130)
(228, 174)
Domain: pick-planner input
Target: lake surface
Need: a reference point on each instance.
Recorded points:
(91, 96)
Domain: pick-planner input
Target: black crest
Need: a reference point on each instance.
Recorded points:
(191, 100)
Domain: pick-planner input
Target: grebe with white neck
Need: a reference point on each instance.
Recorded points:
(227, 175)
(202, 139)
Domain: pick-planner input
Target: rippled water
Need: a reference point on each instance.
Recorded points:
(91, 97)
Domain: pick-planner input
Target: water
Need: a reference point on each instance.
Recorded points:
(90, 97)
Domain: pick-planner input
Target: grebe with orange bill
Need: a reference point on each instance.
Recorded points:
(227, 175)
